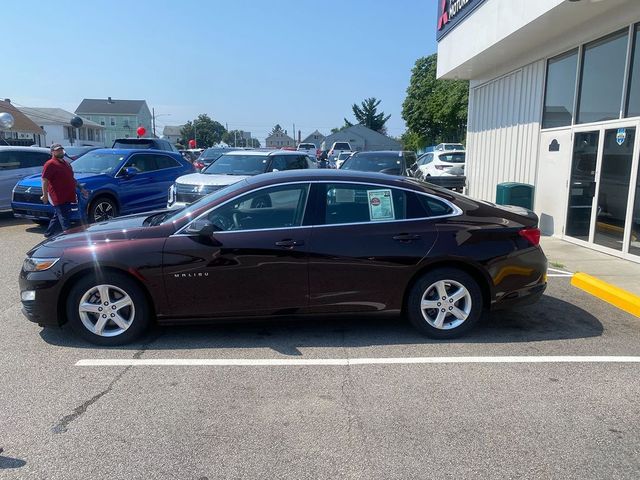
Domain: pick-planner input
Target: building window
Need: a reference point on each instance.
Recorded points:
(112, 121)
(633, 102)
(602, 79)
(560, 90)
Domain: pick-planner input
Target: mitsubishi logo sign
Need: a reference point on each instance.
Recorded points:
(450, 12)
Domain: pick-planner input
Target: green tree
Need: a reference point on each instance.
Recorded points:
(435, 110)
(235, 138)
(367, 114)
(276, 129)
(204, 130)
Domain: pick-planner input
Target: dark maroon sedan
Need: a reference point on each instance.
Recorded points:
(291, 243)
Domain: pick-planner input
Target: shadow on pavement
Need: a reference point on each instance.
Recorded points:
(8, 462)
(549, 319)
(7, 219)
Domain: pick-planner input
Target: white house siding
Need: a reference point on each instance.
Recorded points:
(503, 130)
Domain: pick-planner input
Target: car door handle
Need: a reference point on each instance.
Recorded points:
(406, 237)
(288, 243)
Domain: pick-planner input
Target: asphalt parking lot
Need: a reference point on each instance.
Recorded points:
(250, 416)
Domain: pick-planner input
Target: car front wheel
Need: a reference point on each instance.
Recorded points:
(110, 309)
(445, 303)
(102, 209)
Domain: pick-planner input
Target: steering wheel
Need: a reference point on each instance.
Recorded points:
(222, 222)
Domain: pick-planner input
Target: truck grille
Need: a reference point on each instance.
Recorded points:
(191, 193)
(27, 194)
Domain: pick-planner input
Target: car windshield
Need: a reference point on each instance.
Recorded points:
(452, 157)
(98, 163)
(188, 211)
(344, 155)
(372, 162)
(212, 154)
(73, 151)
(238, 165)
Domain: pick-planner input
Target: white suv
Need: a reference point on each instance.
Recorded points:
(337, 148)
(231, 168)
(308, 148)
(435, 164)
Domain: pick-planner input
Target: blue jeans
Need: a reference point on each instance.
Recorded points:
(60, 221)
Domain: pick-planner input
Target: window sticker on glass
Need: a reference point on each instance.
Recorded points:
(380, 205)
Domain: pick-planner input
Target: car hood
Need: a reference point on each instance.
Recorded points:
(116, 230)
(35, 180)
(204, 179)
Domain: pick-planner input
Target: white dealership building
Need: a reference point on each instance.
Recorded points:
(554, 102)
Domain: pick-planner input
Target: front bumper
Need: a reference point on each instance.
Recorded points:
(40, 211)
(44, 309)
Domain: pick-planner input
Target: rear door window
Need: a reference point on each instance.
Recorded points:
(144, 163)
(9, 161)
(33, 159)
(164, 161)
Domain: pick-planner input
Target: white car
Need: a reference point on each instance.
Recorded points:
(435, 164)
(230, 168)
(445, 147)
(308, 148)
(342, 157)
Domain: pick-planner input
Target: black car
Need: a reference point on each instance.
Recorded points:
(387, 161)
(326, 242)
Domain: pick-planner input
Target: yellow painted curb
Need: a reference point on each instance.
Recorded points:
(616, 296)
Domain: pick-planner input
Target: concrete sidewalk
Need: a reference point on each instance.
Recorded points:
(567, 256)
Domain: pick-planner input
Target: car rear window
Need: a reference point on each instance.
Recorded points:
(341, 146)
(237, 165)
(373, 162)
(134, 143)
(452, 157)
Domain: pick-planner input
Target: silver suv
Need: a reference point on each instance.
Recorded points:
(231, 168)
(17, 163)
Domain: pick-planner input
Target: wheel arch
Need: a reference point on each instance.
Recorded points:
(483, 280)
(63, 297)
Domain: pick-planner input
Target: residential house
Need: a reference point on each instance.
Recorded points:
(121, 118)
(316, 138)
(280, 139)
(56, 124)
(24, 131)
(172, 133)
(362, 138)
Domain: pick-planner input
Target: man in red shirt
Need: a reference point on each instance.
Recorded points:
(59, 189)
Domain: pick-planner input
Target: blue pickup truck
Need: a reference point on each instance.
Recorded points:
(119, 182)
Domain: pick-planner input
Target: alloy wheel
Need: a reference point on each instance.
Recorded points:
(106, 310)
(103, 211)
(446, 304)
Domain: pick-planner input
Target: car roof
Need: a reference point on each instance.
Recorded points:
(326, 174)
(125, 151)
(22, 148)
(263, 152)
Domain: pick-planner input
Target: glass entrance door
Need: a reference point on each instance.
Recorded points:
(582, 186)
(604, 192)
(613, 191)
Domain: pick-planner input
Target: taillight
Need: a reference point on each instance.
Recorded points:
(532, 235)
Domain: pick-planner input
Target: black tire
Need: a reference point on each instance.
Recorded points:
(135, 317)
(102, 209)
(454, 323)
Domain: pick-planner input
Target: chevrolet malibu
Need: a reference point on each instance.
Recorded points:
(327, 242)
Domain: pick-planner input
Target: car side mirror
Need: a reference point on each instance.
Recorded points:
(201, 227)
(130, 172)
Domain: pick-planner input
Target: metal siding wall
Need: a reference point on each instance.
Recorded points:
(503, 130)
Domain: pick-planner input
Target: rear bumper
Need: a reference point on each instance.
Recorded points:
(526, 296)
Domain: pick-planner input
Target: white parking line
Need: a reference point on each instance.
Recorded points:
(330, 362)
(558, 273)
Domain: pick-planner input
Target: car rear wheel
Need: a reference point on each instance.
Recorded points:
(108, 310)
(102, 209)
(445, 303)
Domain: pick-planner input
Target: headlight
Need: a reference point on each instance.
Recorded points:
(38, 264)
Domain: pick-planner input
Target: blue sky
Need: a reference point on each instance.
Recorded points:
(249, 64)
